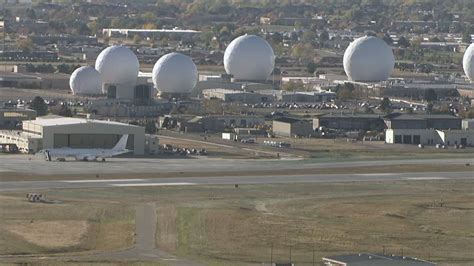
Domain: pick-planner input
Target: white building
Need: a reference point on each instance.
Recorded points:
(228, 95)
(430, 137)
(73, 132)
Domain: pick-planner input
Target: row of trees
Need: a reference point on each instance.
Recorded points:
(49, 68)
(39, 105)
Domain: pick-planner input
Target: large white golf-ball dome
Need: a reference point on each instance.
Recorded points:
(368, 59)
(468, 62)
(175, 73)
(249, 57)
(85, 80)
(117, 65)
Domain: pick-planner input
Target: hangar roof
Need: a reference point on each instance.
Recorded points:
(62, 121)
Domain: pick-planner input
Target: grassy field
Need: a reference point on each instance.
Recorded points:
(224, 225)
(229, 226)
(71, 226)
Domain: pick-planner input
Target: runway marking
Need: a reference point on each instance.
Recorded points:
(153, 184)
(380, 174)
(426, 178)
(102, 180)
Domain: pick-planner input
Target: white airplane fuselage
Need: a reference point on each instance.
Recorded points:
(86, 154)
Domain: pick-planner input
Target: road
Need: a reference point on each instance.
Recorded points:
(228, 180)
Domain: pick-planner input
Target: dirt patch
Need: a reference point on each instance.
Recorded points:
(51, 234)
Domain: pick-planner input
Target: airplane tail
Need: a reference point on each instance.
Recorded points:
(121, 144)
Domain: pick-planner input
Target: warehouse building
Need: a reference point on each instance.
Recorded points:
(349, 122)
(228, 95)
(75, 133)
(291, 127)
(430, 137)
(407, 121)
(306, 96)
(211, 123)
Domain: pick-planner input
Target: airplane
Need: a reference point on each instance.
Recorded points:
(86, 154)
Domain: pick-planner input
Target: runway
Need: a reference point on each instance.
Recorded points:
(34, 165)
(229, 180)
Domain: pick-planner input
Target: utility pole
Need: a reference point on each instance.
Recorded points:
(290, 254)
(271, 255)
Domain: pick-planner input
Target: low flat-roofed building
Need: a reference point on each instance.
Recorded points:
(430, 137)
(11, 118)
(292, 127)
(349, 122)
(214, 123)
(201, 124)
(408, 121)
(307, 96)
(369, 259)
(300, 96)
(75, 133)
(228, 95)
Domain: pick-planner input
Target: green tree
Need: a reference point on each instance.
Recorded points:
(150, 127)
(293, 86)
(429, 108)
(466, 36)
(65, 111)
(39, 106)
(324, 36)
(386, 105)
(137, 39)
(311, 67)
(403, 42)
(25, 45)
(431, 96)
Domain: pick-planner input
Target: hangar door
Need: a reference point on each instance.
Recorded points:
(90, 141)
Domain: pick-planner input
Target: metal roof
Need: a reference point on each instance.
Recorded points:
(62, 121)
(287, 120)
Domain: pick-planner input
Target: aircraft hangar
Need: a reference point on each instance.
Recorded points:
(84, 133)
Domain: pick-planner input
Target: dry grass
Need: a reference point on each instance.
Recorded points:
(50, 234)
(222, 225)
(72, 226)
(332, 219)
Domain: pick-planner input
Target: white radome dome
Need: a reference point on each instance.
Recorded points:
(85, 81)
(249, 57)
(175, 73)
(468, 62)
(117, 65)
(368, 59)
